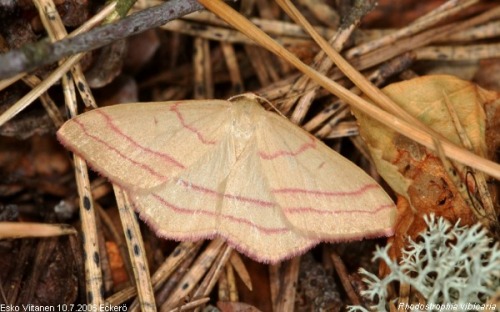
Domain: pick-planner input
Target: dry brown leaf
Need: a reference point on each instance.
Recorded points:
(415, 173)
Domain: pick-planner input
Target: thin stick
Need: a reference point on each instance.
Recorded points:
(30, 229)
(223, 288)
(212, 276)
(240, 268)
(324, 63)
(198, 269)
(56, 30)
(432, 18)
(7, 82)
(203, 82)
(338, 109)
(233, 290)
(487, 213)
(274, 284)
(136, 251)
(117, 238)
(277, 28)
(180, 253)
(191, 305)
(344, 278)
(232, 65)
(421, 39)
(291, 277)
(456, 53)
(93, 276)
(47, 102)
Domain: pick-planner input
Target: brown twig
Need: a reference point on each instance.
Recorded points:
(344, 278)
(43, 52)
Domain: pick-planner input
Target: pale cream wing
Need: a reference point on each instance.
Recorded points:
(216, 196)
(320, 192)
(141, 145)
(188, 207)
(250, 218)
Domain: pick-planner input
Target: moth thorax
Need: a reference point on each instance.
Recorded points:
(243, 124)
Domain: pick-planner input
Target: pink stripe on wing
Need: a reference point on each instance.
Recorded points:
(109, 122)
(282, 153)
(205, 190)
(112, 148)
(265, 230)
(192, 129)
(359, 191)
(293, 210)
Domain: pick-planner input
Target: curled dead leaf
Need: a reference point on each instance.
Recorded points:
(417, 174)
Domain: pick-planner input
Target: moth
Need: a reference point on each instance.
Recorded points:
(205, 168)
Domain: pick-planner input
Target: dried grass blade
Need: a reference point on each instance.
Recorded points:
(30, 229)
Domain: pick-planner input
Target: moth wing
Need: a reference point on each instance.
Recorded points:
(251, 220)
(188, 207)
(208, 199)
(141, 145)
(321, 193)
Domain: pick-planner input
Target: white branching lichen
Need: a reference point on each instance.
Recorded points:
(448, 265)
